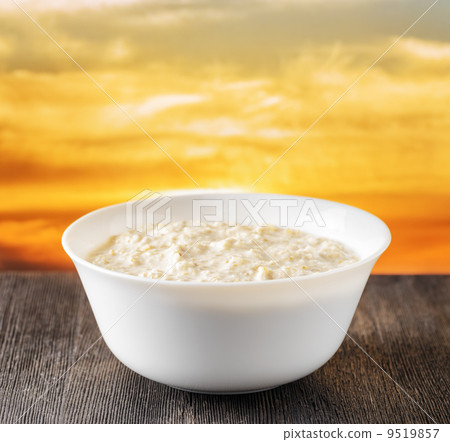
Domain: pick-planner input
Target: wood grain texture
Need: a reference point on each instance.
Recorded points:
(46, 324)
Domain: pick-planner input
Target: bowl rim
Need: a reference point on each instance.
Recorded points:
(75, 258)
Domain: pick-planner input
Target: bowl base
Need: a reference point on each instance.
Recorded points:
(223, 393)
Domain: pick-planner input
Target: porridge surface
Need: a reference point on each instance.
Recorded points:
(217, 252)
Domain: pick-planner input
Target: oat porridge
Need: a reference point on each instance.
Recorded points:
(217, 252)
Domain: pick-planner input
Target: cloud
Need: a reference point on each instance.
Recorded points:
(63, 5)
(251, 35)
(221, 127)
(201, 151)
(70, 5)
(155, 104)
(429, 50)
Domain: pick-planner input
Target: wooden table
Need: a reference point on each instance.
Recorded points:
(47, 324)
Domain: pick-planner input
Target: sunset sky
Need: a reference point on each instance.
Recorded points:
(224, 87)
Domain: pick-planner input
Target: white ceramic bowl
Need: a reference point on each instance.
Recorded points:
(228, 337)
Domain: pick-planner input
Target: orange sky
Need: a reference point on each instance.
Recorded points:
(225, 91)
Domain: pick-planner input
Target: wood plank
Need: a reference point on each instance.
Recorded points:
(46, 324)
